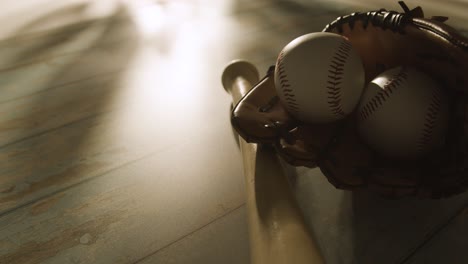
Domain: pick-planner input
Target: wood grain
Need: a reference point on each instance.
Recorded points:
(222, 241)
(446, 245)
(277, 229)
(31, 66)
(116, 147)
(364, 228)
(105, 216)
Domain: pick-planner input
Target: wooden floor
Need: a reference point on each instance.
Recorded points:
(116, 146)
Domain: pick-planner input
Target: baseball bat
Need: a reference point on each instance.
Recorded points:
(277, 230)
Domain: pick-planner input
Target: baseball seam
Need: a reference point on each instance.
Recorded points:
(288, 94)
(335, 76)
(430, 120)
(381, 97)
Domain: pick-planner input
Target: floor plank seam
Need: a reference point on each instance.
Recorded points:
(71, 52)
(58, 31)
(190, 233)
(99, 176)
(17, 66)
(64, 189)
(47, 89)
(54, 56)
(433, 233)
(52, 129)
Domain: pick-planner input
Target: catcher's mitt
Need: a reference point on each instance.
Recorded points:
(383, 39)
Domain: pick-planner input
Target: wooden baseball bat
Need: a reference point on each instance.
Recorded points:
(277, 229)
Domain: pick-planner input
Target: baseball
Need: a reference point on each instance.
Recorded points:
(403, 114)
(319, 78)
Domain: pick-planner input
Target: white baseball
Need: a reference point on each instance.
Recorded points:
(319, 77)
(403, 114)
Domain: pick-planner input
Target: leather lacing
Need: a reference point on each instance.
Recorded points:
(395, 22)
(382, 18)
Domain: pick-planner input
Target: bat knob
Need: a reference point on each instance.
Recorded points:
(236, 69)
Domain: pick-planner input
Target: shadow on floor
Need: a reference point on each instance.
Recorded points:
(391, 231)
(75, 78)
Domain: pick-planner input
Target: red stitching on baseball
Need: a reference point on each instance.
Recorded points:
(292, 102)
(381, 97)
(285, 86)
(334, 79)
(339, 59)
(431, 116)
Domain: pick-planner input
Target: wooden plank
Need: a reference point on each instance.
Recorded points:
(20, 118)
(147, 108)
(98, 50)
(132, 211)
(364, 228)
(85, 56)
(77, 51)
(56, 160)
(74, 143)
(21, 12)
(32, 115)
(340, 228)
(85, 190)
(447, 246)
(222, 241)
(34, 17)
(120, 25)
(62, 136)
(65, 39)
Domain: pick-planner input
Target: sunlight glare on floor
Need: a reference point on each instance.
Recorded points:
(167, 87)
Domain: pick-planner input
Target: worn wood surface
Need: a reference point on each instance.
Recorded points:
(364, 228)
(116, 146)
(448, 244)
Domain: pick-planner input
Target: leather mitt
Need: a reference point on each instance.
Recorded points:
(384, 40)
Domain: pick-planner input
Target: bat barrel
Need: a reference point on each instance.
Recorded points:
(238, 78)
(278, 233)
